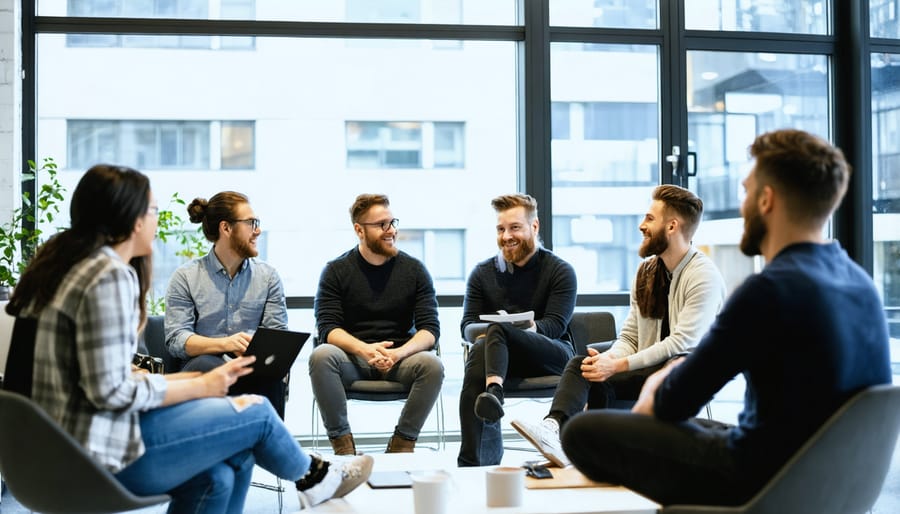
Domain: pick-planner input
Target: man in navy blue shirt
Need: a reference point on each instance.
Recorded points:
(807, 333)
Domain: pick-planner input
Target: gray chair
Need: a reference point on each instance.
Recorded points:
(840, 469)
(48, 471)
(154, 339)
(586, 327)
(381, 391)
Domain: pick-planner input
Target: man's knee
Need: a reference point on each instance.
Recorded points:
(325, 356)
(203, 363)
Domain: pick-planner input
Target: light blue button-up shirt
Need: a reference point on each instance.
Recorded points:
(202, 299)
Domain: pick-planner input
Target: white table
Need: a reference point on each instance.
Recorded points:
(468, 494)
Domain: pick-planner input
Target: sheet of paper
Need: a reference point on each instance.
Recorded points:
(503, 317)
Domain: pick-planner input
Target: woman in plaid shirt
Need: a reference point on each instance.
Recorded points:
(177, 434)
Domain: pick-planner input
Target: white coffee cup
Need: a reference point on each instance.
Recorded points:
(505, 486)
(431, 492)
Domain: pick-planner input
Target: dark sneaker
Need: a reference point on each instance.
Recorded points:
(544, 437)
(488, 407)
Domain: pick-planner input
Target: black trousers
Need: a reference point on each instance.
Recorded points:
(505, 351)
(575, 391)
(670, 463)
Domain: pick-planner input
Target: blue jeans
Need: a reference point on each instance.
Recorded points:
(202, 453)
(505, 351)
(274, 390)
(331, 371)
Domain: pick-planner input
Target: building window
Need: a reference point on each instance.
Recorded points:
(620, 121)
(442, 251)
(405, 144)
(177, 9)
(237, 145)
(160, 144)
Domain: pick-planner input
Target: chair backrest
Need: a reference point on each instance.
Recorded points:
(48, 471)
(17, 376)
(591, 327)
(155, 342)
(839, 470)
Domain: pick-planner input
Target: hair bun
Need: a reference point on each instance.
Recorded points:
(197, 210)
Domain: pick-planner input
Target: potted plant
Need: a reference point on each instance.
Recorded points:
(21, 234)
(189, 240)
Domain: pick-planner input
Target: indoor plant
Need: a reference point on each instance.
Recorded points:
(21, 234)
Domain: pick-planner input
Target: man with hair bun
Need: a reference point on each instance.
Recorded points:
(215, 302)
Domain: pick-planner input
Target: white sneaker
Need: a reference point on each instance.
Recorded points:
(544, 437)
(343, 476)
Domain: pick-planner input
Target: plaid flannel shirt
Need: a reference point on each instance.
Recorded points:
(86, 337)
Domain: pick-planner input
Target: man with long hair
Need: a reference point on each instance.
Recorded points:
(675, 297)
(807, 333)
(176, 434)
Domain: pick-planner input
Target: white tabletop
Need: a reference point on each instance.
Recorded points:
(468, 493)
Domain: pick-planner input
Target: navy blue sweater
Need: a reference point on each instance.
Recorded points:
(807, 333)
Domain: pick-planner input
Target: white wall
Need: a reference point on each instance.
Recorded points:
(10, 105)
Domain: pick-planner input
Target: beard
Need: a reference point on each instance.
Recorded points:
(243, 249)
(379, 247)
(656, 244)
(518, 252)
(754, 233)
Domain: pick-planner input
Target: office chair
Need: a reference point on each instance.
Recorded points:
(48, 471)
(839, 470)
(381, 391)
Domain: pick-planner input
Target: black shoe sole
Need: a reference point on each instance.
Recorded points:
(488, 407)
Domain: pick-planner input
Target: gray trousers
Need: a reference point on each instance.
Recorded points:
(331, 370)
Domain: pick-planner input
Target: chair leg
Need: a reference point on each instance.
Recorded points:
(708, 412)
(315, 425)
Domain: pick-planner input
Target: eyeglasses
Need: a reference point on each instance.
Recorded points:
(153, 210)
(385, 225)
(253, 222)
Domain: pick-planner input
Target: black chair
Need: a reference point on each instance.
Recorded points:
(586, 327)
(840, 469)
(154, 339)
(48, 471)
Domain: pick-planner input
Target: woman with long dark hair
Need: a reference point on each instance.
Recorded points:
(178, 433)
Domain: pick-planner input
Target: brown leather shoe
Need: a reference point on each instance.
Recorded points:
(343, 445)
(400, 444)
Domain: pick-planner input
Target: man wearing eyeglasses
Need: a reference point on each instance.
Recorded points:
(215, 303)
(377, 319)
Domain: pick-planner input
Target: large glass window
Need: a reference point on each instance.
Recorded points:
(605, 157)
(290, 145)
(886, 183)
(732, 98)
